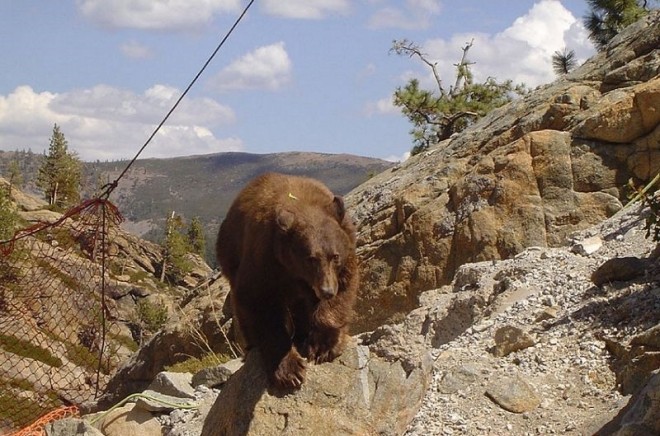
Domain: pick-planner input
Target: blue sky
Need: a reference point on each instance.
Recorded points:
(296, 75)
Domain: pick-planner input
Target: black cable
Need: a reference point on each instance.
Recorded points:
(111, 186)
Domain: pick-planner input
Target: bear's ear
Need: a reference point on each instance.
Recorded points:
(340, 210)
(285, 219)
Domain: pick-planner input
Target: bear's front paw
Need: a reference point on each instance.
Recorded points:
(290, 373)
(325, 346)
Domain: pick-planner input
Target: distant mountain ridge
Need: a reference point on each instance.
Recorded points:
(200, 185)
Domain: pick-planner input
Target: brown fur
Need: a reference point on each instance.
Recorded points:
(288, 250)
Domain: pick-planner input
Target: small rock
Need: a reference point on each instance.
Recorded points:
(509, 339)
(129, 420)
(176, 384)
(71, 427)
(513, 394)
(216, 375)
(484, 325)
(549, 301)
(587, 246)
(546, 314)
(619, 269)
(457, 379)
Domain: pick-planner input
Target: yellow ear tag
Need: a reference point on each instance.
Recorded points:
(292, 197)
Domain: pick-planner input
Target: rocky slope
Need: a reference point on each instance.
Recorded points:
(51, 331)
(528, 174)
(537, 348)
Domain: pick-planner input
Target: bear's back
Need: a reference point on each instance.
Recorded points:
(266, 193)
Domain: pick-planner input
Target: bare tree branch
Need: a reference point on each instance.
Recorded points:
(406, 47)
(463, 70)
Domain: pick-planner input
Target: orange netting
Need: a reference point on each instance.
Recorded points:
(37, 427)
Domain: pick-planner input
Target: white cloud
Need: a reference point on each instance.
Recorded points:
(305, 9)
(522, 52)
(394, 158)
(109, 123)
(415, 14)
(155, 15)
(135, 50)
(267, 67)
(384, 106)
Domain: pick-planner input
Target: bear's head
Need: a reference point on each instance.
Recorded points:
(313, 247)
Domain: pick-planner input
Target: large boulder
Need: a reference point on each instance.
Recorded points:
(371, 389)
(529, 174)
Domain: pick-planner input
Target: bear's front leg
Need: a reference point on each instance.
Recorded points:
(290, 372)
(328, 328)
(284, 365)
(263, 324)
(325, 344)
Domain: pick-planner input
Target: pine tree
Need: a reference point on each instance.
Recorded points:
(61, 173)
(563, 61)
(175, 247)
(15, 175)
(10, 254)
(8, 216)
(437, 115)
(196, 236)
(608, 17)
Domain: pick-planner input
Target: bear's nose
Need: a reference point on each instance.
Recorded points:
(327, 292)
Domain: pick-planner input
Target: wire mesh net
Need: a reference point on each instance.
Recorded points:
(58, 344)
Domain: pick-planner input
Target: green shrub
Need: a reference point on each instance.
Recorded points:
(194, 364)
(152, 316)
(83, 357)
(138, 276)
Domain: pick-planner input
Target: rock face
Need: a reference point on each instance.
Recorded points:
(528, 174)
(358, 393)
(643, 413)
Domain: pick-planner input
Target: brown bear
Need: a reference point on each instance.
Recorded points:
(287, 247)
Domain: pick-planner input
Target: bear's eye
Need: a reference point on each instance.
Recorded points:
(334, 258)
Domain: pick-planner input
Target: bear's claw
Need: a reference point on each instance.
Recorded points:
(290, 373)
(323, 347)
